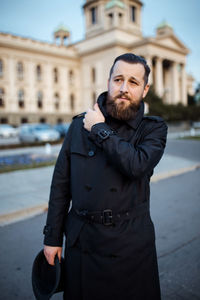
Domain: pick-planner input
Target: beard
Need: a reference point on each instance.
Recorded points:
(122, 111)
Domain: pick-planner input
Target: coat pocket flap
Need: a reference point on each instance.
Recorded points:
(73, 227)
(77, 149)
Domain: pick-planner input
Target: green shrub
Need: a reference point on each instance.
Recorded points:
(171, 112)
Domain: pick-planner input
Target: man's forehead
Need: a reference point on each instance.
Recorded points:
(131, 69)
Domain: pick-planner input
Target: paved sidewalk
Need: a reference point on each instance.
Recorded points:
(29, 189)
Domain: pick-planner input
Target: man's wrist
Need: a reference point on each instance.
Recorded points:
(101, 131)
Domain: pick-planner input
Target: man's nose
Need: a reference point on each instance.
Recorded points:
(124, 87)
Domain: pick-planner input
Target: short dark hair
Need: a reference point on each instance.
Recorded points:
(133, 59)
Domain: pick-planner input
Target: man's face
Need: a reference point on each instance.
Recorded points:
(126, 90)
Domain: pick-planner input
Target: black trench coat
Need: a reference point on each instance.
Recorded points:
(112, 262)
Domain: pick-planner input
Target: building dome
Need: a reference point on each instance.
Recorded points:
(61, 27)
(62, 33)
(164, 24)
(164, 28)
(113, 3)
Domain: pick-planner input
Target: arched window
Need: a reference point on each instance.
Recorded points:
(55, 75)
(56, 100)
(21, 98)
(20, 71)
(72, 100)
(1, 68)
(93, 75)
(93, 15)
(4, 120)
(38, 73)
(133, 13)
(42, 120)
(39, 99)
(71, 77)
(24, 120)
(110, 18)
(2, 103)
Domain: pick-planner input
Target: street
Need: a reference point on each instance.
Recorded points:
(175, 208)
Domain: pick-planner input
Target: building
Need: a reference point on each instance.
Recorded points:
(50, 82)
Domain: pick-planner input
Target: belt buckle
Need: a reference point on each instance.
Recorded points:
(107, 217)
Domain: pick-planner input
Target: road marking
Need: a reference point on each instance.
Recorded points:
(165, 175)
(22, 214)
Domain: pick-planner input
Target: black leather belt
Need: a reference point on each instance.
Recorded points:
(107, 217)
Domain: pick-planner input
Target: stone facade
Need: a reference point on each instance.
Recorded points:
(43, 82)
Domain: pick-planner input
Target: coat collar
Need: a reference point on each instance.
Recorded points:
(133, 122)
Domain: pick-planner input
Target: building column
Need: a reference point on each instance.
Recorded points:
(149, 63)
(159, 77)
(175, 84)
(183, 85)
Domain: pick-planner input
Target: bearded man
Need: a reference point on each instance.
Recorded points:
(104, 168)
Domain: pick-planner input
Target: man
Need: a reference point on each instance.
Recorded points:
(104, 167)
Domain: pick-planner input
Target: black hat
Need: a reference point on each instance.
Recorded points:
(47, 279)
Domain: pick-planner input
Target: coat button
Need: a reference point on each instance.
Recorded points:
(91, 153)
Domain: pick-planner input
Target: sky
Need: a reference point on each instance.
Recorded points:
(39, 18)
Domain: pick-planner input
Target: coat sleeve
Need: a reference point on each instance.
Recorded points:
(60, 196)
(134, 161)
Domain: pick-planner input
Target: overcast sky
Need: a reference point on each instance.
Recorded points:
(37, 19)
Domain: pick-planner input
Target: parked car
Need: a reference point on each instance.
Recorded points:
(62, 128)
(7, 131)
(37, 133)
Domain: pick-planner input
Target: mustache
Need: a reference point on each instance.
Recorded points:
(122, 95)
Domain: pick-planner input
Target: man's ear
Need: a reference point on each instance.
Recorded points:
(146, 89)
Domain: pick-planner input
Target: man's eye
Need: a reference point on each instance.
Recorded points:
(117, 79)
(133, 82)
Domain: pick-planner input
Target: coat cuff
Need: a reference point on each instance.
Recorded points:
(100, 132)
(51, 237)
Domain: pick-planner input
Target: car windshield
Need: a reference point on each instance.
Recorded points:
(5, 126)
(41, 127)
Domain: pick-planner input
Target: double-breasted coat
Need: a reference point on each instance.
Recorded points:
(108, 168)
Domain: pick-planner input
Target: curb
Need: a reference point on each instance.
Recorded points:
(29, 212)
(165, 175)
(22, 214)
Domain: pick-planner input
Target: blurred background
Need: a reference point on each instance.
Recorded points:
(55, 59)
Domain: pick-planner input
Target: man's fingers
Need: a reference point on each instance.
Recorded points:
(50, 258)
(50, 253)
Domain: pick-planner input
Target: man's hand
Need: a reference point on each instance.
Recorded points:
(50, 253)
(93, 117)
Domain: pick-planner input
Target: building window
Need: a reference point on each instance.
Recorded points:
(20, 71)
(1, 68)
(59, 121)
(93, 75)
(110, 16)
(38, 73)
(4, 121)
(42, 120)
(39, 99)
(24, 120)
(71, 77)
(56, 100)
(120, 19)
(55, 75)
(21, 98)
(133, 13)
(2, 103)
(72, 100)
(93, 15)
